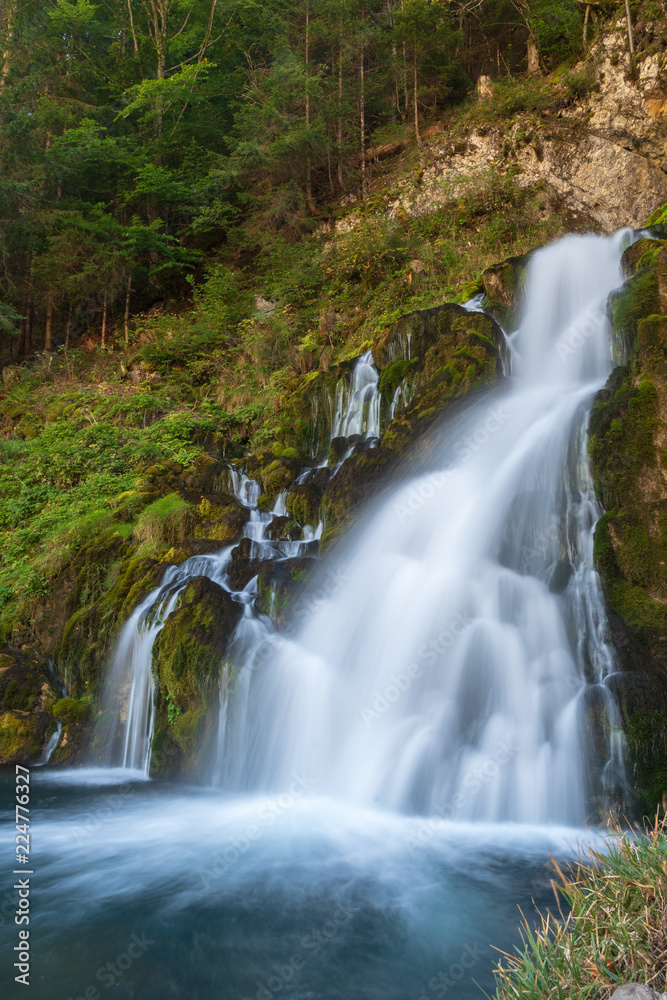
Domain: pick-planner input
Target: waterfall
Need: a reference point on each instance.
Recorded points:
(357, 403)
(457, 664)
(129, 702)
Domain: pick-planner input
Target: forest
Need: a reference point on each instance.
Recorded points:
(139, 140)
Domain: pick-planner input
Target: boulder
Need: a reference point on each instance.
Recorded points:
(188, 664)
(27, 694)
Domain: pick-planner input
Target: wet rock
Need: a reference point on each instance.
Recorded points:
(26, 697)
(242, 567)
(303, 504)
(188, 663)
(284, 529)
(560, 576)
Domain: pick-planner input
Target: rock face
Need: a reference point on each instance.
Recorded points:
(27, 696)
(628, 445)
(189, 666)
(629, 109)
(604, 182)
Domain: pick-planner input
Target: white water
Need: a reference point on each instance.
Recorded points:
(444, 675)
(449, 665)
(357, 402)
(131, 686)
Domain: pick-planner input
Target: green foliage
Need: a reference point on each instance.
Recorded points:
(579, 82)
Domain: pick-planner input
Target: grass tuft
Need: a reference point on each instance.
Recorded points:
(614, 930)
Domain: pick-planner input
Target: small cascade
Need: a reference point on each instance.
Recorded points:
(54, 739)
(357, 402)
(131, 686)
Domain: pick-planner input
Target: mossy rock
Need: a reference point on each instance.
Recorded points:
(205, 474)
(21, 687)
(68, 710)
(222, 518)
(24, 736)
(284, 529)
(74, 745)
(277, 476)
(303, 504)
(627, 436)
(188, 661)
(505, 282)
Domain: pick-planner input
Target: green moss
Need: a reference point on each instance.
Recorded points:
(23, 737)
(303, 504)
(276, 477)
(392, 375)
(646, 734)
(70, 710)
(166, 521)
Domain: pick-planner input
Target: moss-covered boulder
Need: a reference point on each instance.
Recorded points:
(277, 475)
(188, 664)
(26, 696)
(303, 504)
(284, 529)
(504, 285)
(222, 517)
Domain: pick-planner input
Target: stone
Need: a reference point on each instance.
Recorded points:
(635, 991)
(610, 185)
(263, 306)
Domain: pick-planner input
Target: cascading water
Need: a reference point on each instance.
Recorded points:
(454, 669)
(451, 662)
(131, 688)
(357, 403)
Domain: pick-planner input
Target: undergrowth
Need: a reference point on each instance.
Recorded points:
(615, 930)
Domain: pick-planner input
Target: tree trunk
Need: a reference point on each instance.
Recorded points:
(69, 327)
(48, 333)
(127, 310)
(362, 110)
(309, 172)
(630, 38)
(28, 321)
(104, 322)
(134, 35)
(414, 66)
(533, 58)
(10, 14)
(586, 16)
(340, 111)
